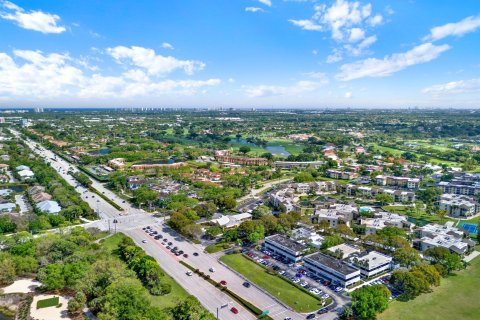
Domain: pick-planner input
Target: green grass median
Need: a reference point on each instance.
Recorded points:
(276, 286)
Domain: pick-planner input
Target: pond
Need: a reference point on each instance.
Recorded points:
(276, 150)
(3, 316)
(100, 152)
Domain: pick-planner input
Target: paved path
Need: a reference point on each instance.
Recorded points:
(255, 192)
(21, 203)
(471, 256)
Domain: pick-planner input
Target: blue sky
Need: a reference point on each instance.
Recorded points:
(240, 53)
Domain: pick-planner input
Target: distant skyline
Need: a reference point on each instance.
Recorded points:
(240, 53)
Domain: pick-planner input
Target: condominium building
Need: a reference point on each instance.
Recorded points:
(458, 205)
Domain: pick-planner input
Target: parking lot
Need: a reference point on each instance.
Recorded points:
(295, 273)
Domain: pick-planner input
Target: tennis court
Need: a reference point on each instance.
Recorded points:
(471, 228)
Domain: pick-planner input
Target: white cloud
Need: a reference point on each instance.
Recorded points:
(360, 48)
(167, 45)
(348, 95)
(306, 24)
(297, 88)
(375, 20)
(31, 20)
(356, 34)
(390, 64)
(253, 9)
(348, 22)
(460, 28)
(153, 63)
(454, 87)
(342, 16)
(336, 56)
(268, 3)
(34, 75)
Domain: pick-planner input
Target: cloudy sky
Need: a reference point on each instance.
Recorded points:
(240, 53)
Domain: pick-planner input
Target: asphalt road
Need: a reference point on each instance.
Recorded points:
(132, 219)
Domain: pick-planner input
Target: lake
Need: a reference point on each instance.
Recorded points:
(100, 152)
(276, 150)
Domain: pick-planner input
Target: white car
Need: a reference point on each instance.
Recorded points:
(212, 269)
(144, 241)
(189, 273)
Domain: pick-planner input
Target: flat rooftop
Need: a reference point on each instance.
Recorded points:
(286, 242)
(346, 249)
(331, 263)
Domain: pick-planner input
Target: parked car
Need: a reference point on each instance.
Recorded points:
(234, 310)
(322, 311)
(185, 255)
(223, 283)
(195, 254)
(189, 273)
(212, 269)
(311, 316)
(246, 284)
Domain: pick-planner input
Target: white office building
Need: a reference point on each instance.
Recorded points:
(285, 247)
(332, 269)
(371, 263)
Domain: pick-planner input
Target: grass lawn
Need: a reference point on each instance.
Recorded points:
(421, 215)
(283, 290)
(215, 247)
(170, 300)
(398, 152)
(45, 303)
(457, 297)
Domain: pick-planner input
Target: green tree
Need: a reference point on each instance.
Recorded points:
(190, 309)
(384, 199)
(443, 256)
(7, 225)
(331, 241)
(261, 211)
(370, 300)
(7, 272)
(406, 256)
(213, 231)
(52, 277)
(244, 149)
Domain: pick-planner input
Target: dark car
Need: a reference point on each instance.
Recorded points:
(165, 240)
(234, 310)
(181, 251)
(223, 283)
(322, 311)
(195, 254)
(175, 247)
(311, 316)
(246, 284)
(156, 238)
(169, 243)
(185, 255)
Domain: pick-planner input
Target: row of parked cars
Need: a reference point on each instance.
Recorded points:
(157, 236)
